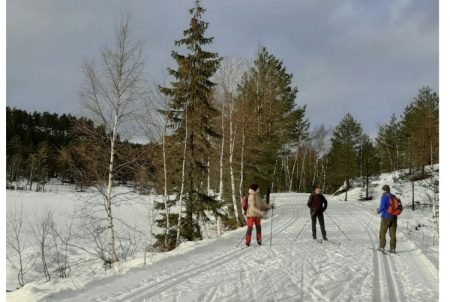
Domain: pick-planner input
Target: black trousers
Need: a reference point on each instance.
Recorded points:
(314, 218)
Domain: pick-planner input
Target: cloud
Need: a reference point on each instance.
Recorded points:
(364, 57)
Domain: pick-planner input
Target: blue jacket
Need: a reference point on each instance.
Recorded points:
(384, 205)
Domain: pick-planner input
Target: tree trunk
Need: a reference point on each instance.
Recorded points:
(180, 201)
(233, 189)
(112, 243)
(208, 181)
(292, 174)
(222, 147)
(241, 183)
(302, 173)
(390, 156)
(315, 171)
(273, 175)
(434, 199)
(346, 188)
(166, 234)
(31, 172)
(367, 181)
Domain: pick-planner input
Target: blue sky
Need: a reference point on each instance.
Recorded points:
(368, 58)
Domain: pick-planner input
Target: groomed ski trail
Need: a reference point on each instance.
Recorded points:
(290, 270)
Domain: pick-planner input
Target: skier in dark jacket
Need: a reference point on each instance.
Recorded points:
(317, 204)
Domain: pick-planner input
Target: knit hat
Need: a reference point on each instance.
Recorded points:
(386, 188)
(254, 187)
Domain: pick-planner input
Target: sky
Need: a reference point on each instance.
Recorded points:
(368, 58)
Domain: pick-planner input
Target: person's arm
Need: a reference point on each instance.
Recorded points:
(309, 201)
(325, 203)
(267, 206)
(383, 204)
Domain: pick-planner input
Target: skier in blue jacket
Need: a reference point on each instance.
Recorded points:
(388, 221)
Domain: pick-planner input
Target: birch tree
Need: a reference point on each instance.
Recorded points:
(228, 77)
(17, 242)
(110, 97)
(41, 230)
(154, 122)
(320, 144)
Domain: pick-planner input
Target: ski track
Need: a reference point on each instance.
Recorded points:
(383, 281)
(291, 270)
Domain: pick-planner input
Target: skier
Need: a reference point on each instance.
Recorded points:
(317, 204)
(256, 209)
(388, 221)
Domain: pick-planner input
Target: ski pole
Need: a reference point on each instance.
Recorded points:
(338, 226)
(301, 230)
(304, 226)
(241, 240)
(271, 223)
(370, 220)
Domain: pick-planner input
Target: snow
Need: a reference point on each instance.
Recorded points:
(294, 268)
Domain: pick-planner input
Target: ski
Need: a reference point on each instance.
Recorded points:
(318, 240)
(333, 242)
(252, 246)
(377, 250)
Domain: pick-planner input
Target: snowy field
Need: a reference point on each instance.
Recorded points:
(294, 268)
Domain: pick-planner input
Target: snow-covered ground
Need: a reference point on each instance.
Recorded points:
(294, 268)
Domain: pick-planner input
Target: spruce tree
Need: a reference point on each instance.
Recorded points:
(273, 120)
(420, 130)
(345, 145)
(190, 113)
(368, 162)
(388, 145)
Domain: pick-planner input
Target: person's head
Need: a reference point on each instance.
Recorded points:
(316, 189)
(255, 188)
(386, 189)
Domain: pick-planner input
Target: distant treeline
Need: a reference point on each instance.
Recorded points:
(46, 145)
(33, 141)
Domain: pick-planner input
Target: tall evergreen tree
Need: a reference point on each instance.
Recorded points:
(345, 145)
(190, 112)
(388, 145)
(273, 121)
(369, 162)
(420, 130)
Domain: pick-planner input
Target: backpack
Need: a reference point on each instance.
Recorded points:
(395, 206)
(244, 202)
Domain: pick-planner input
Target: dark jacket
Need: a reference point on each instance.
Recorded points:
(317, 203)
